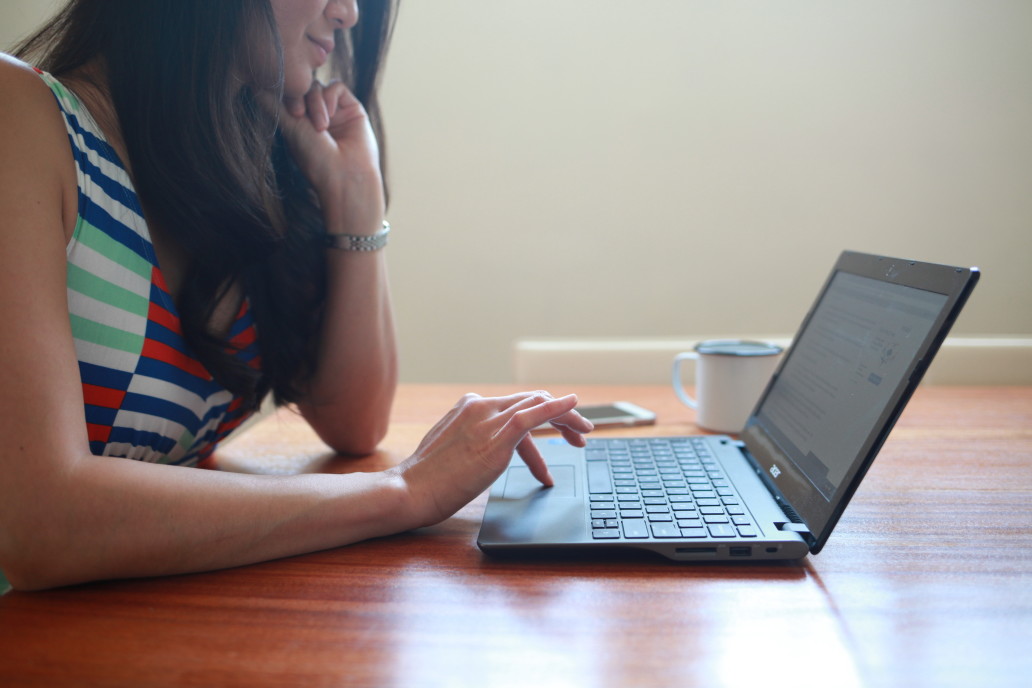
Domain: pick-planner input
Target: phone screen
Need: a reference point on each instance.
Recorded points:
(620, 414)
(602, 412)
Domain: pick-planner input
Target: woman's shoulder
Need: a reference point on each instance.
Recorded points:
(22, 86)
(10, 66)
(33, 137)
(27, 105)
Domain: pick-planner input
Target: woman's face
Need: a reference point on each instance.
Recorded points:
(306, 32)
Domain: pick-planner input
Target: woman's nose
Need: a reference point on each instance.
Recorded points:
(343, 13)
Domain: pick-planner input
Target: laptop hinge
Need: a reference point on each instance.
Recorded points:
(794, 528)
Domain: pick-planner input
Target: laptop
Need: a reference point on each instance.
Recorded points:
(777, 490)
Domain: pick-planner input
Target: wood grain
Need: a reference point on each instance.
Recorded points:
(925, 582)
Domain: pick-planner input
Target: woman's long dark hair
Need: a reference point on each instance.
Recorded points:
(209, 166)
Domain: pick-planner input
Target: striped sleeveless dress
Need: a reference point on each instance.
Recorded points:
(146, 397)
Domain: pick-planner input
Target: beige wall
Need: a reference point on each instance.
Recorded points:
(19, 17)
(663, 168)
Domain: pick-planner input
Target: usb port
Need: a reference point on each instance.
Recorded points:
(744, 551)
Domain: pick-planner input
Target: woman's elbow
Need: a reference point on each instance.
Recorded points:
(354, 443)
(354, 437)
(350, 427)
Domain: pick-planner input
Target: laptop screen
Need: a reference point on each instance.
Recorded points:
(843, 372)
(860, 352)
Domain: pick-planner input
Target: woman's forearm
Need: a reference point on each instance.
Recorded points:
(350, 397)
(113, 518)
(333, 142)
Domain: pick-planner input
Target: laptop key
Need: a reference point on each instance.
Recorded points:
(699, 532)
(665, 530)
(635, 529)
(599, 481)
(722, 531)
(606, 533)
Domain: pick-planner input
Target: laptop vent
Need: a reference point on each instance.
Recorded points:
(790, 512)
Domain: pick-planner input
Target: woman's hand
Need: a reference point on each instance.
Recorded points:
(330, 137)
(471, 446)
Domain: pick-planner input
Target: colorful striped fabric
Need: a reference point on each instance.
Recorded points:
(146, 397)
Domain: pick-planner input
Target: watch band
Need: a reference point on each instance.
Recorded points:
(359, 242)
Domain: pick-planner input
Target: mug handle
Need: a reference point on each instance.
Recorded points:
(676, 379)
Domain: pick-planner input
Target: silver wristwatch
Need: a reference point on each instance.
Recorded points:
(359, 242)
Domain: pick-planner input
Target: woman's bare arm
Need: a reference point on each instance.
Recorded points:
(349, 400)
(67, 516)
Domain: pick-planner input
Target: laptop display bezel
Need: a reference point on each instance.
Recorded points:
(771, 461)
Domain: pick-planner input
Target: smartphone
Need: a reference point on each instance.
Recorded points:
(613, 415)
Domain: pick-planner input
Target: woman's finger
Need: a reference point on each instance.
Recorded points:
(535, 411)
(531, 456)
(573, 421)
(574, 437)
(295, 107)
(337, 97)
(514, 403)
(315, 105)
(525, 412)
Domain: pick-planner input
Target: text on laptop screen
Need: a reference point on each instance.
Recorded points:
(842, 372)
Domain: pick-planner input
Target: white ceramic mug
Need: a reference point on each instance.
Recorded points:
(730, 375)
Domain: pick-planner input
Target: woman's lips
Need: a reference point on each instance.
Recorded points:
(323, 48)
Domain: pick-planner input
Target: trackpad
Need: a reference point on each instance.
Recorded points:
(520, 484)
(528, 513)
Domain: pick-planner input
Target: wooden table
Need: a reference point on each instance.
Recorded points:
(926, 582)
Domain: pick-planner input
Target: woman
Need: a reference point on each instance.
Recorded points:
(192, 221)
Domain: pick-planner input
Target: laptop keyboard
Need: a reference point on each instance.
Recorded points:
(661, 488)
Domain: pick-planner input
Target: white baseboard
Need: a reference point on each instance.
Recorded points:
(995, 360)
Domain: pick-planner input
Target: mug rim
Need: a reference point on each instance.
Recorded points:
(737, 347)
